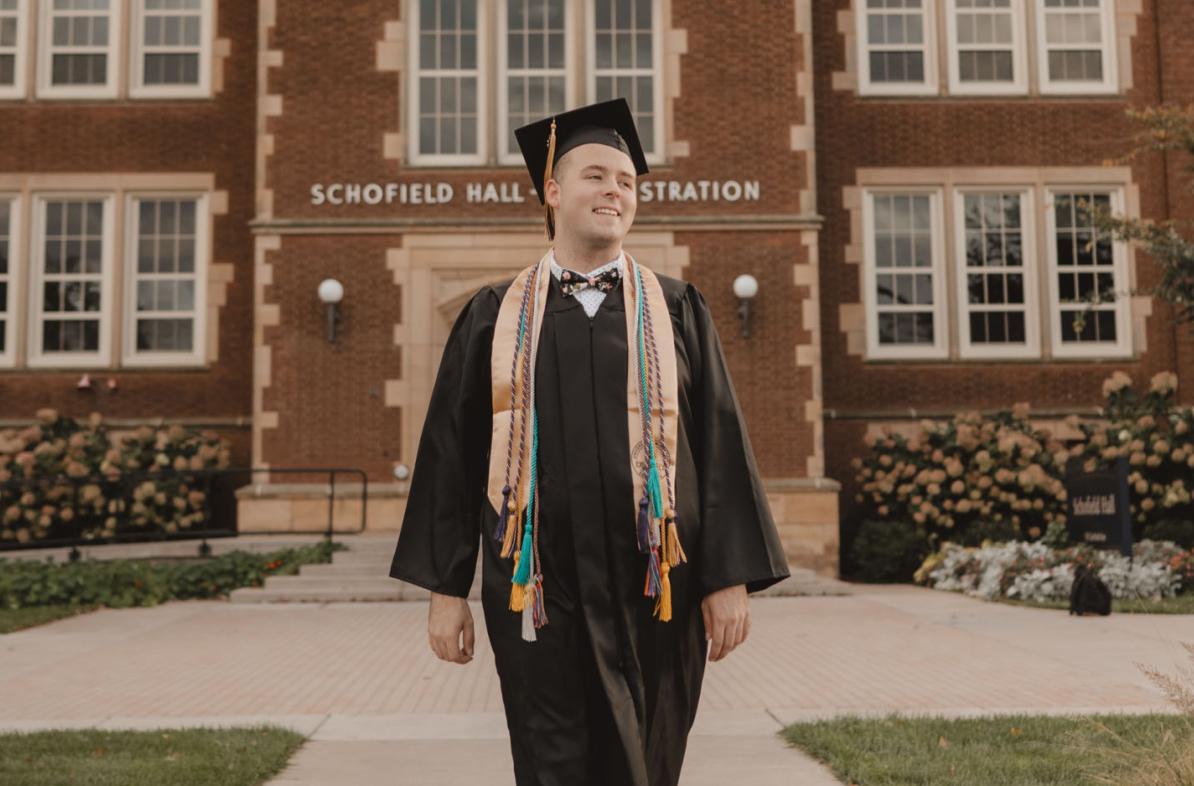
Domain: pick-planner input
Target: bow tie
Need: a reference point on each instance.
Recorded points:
(572, 282)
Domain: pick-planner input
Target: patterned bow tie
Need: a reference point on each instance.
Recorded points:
(572, 282)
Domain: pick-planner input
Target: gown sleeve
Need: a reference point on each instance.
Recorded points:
(739, 543)
(439, 540)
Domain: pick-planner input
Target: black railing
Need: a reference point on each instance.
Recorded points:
(219, 504)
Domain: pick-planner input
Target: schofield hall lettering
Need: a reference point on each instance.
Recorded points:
(441, 193)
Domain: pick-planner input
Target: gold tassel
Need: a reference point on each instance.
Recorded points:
(664, 605)
(517, 591)
(673, 550)
(551, 154)
(511, 530)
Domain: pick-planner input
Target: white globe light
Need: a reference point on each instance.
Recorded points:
(330, 290)
(746, 286)
(401, 472)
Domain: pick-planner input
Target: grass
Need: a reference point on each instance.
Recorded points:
(19, 619)
(1182, 604)
(1014, 750)
(174, 757)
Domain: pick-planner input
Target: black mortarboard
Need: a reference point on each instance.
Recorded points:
(545, 141)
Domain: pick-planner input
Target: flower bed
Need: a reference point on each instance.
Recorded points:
(1035, 571)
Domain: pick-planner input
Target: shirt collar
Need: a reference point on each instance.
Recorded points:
(619, 262)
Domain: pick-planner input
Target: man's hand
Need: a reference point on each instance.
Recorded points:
(727, 619)
(449, 619)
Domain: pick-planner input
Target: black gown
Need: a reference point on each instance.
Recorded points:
(608, 693)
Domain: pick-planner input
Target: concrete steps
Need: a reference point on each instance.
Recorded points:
(362, 573)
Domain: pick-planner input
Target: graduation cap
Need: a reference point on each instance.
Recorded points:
(545, 141)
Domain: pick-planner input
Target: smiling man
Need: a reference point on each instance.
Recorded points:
(583, 428)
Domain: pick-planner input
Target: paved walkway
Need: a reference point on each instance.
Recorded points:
(379, 708)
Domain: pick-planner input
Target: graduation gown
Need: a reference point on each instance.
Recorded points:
(608, 693)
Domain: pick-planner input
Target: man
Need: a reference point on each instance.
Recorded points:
(599, 619)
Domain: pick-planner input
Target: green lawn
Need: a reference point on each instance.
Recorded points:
(17, 619)
(175, 757)
(998, 751)
(1182, 604)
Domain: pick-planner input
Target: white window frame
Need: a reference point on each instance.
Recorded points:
(503, 73)
(481, 157)
(130, 356)
(1122, 304)
(138, 88)
(868, 88)
(1019, 84)
(657, 154)
(18, 88)
(940, 347)
(967, 349)
(8, 355)
(1110, 83)
(110, 89)
(103, 357)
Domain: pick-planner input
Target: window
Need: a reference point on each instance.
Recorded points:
(996, 280)
(165, 289)
(1076, 46)
(987, 52)
(79, 49)
(534, 35)
(13, 24)
(904, 282)
(988, 45)
(71, 282)
(1084, 267)
(542, 64)
(171, 50)
(897, 54)
(626, 58)
(1006, 286)
(8, 224)
(446, 87)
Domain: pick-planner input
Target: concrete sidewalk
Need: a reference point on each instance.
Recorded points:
(379, 708)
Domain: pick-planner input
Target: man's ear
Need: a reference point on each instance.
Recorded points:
(551, 193)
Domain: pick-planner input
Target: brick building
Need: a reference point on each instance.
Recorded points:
(212, 161)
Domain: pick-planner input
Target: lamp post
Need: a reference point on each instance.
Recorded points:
(331, 292)
(746, 287)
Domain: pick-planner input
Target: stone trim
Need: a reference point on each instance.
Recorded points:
(437, 274)
(268, 104)
(264, 315)
(391, 58)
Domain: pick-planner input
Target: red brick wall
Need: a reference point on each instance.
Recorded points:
(212, 135)
(735, 112)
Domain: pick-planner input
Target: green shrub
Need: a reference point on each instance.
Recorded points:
(124, 583)
(1180, 531)
(888, 551)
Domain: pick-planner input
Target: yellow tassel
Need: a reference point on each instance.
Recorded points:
(508, 540)
(517, 591)
(675, 553)
(664, 605)
(551, 154)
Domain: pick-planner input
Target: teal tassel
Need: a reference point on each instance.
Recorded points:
(654, 490)
(523, 574)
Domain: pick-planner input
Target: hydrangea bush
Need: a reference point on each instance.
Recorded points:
(1036, 571)
(973, 470)
(57, 448)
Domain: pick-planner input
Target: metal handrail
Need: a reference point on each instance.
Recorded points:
(131, 478)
